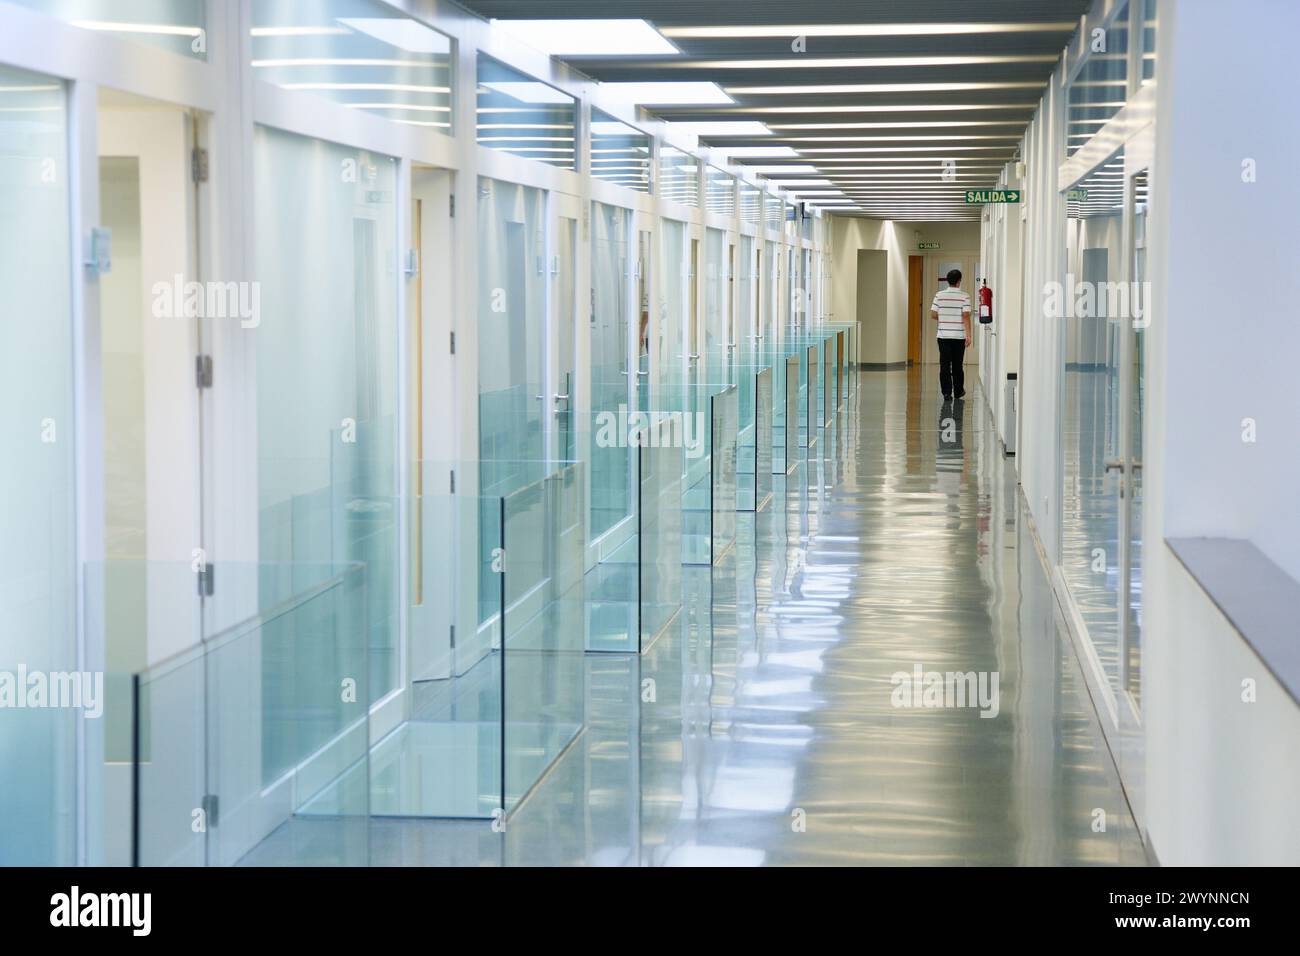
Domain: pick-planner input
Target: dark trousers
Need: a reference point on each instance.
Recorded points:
(952, 376)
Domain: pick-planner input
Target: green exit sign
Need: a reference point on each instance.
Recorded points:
(927, 245)
(980, 196)
(1076, 195)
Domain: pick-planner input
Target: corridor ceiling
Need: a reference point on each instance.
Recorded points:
(901, 106)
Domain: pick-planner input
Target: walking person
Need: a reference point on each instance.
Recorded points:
(951, 309)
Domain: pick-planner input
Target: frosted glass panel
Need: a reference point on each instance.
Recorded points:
(620, 154)
(672, 305)
(37, 572)
(360, 53)
(679, 176)
(326, 372)
(175, 25)
(611, 379)
(520, 115)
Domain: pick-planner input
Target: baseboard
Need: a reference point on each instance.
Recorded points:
(882, 366)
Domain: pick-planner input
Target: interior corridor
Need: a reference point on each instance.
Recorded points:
(764, 730)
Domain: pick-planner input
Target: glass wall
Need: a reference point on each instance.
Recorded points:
(1100, 88)
(1136, 414)
(672, 304)
(179, 26)
(713, 347)
(611, 381)
(326, 376)
(360, 53)
(511, 308)
(520, 115)
(37, 558)
(751, 204)
(719, 191)
(678, 176)
(1092, 319)
(620, 154)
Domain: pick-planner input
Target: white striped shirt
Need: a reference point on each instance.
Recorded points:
(950, 303)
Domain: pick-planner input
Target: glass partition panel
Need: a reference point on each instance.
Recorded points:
(773, 212)
(808, 416)
(542, 688)
(790, 431)
(38, 570)
(327, 368)
(712, 348)
(751, 204)
(678, 176)
(1092, 323)
(179, 26)
(523, 116)
(362, 54)
(611, 378)
(659, 539)
(828, 380)
(1100, 89)
(673, 298)
(234, 738)
(445, 759)
(724, 413)
(1136, 414)
(512, 308)
(1148, 42)
(754, 438)
(719, 191)
(620, 154)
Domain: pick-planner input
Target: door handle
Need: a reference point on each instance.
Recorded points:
(1114, 464)
(561, 398)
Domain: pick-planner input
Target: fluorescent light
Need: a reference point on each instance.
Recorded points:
(943, 137)
(895, 108)
(788, 168)
(915, 124)
(901, 149)
(528, 91)
(419, 107)
(724, 128)
(883, 88)
(340, 61)
(159, 29)
(392, 87)
(403, 33)
(867, 29)
(298, 31)
(757, 152)
(860, 62)
(786, 183)
(588, 37)
(666, 93)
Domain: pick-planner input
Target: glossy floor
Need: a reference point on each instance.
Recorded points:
(767, 728)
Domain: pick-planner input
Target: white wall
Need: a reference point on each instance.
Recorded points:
(1222, 775)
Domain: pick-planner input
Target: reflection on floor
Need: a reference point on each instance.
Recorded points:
(1090, 507)
(764, 731)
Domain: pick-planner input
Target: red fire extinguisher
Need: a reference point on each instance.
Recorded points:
(986, 304)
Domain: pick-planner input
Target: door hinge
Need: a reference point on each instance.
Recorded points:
(199, 164)
(212, 809)
(453, 482)
(203, 371)
(453, 637)
(206, 580)
(451, 205)
(453, 343)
